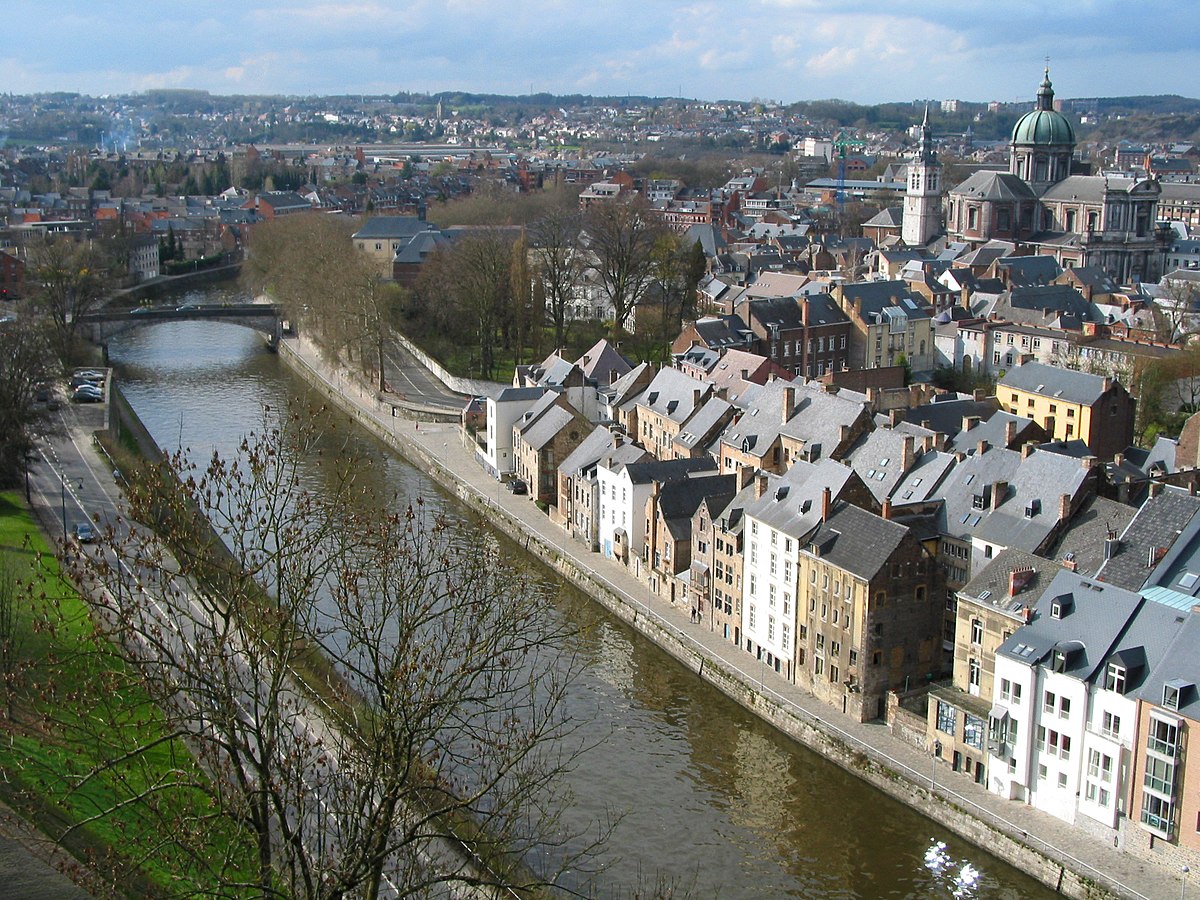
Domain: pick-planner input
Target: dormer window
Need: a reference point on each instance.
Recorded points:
(1058, 662)
(1175, 693)
(1060, 606)
(1034, 507)
(1114, 678)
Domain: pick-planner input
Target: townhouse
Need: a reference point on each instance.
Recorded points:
(890, 325)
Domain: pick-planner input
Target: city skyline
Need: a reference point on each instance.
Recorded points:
(786, 50)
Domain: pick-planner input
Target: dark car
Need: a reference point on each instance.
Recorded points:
(517, 486)
(84, 532)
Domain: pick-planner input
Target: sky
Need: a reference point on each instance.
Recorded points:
(867, 51)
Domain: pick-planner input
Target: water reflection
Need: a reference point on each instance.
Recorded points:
(706, 795)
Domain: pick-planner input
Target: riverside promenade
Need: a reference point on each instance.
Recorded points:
(1049, 849)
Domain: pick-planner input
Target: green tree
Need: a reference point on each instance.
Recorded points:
(621, 238)
(73, 280)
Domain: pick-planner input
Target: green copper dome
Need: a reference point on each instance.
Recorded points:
(1044, 126)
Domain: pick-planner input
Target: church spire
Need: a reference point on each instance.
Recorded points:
(1045, 95)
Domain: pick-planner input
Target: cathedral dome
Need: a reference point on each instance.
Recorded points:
(1044, 126)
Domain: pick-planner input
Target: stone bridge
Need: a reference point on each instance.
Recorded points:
(265, 318)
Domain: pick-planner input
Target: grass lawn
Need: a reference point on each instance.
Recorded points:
(71, 708)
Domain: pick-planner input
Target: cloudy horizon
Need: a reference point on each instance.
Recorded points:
(865, 51)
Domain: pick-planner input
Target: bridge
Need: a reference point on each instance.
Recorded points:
(265, 318)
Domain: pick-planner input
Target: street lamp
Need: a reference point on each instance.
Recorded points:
(1183, 881)
(63, 481)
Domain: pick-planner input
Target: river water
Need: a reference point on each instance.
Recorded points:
(704, 796)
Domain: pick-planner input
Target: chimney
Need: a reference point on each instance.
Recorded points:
(760, 485)
(906, 452)
(696, 398)
(826, 502)
(894, 417)
(886, 511)
(745, 374)
(1018, 578)
(1088, 462)
(966, 297)
(857, 308)
(979, 395)
(1118, 458)
(999, 491)
(1111, 544)
(1010, 433)
(843, 433)
(1027, 448)
(981, 448)
(1064, 507)
(969, 422)
(789, 403)
(745, 474)
(1108, 383)
(1155, 488)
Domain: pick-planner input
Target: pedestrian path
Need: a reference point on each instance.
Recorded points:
(1053, 837)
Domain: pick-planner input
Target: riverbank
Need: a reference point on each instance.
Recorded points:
(1046, 848)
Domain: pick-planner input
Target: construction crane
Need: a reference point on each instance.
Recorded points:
(841, 142)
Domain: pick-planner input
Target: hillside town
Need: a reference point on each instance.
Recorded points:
(927, 444)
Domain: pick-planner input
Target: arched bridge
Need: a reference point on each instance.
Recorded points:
(103, 324)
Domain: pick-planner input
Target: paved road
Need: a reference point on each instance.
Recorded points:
(415, 385)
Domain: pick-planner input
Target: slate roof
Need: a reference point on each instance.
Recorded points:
(818, 416)
(1088, 188)
(702, 427)
(1095, 615)
(889, 217)
(878, 458)
(1083, 541)
(388, 227)
(601, 360)
(539, 426)
(823, 310)
(520, 393)
(721, 332)
(678, 500)
(946, 413)
(858, 541)
(998, 186)
(1156, 525)
(1178, 664)
(875, 296)
(792, 502)
(419, 247)
(598, 444)
(971, 476)
(664, 470)
(994, 430)
(620, 390)
(992, 583)
(1055, 383)
(1030, 271)
(921, 481)
(783, 312)
(1029, 512)
(672, 394)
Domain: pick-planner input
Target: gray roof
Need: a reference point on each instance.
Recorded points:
(665, 470)
(1089, 188)
(1151, 532)
(878, 458)
(702, 426)
(387, 227)
(971, 477)
(995, 431)
(673, 394)
(858, 541)
(945, 415)
(1029, 512)
(1083, 542)
(544, 421)
(679, 499)
(792, 502)
(1094, 615)
(1055, 383)
(991, 585)
(997, 186)
(876, 296)
(818, 416)
(596, 446)
(520, 393)
(1177, 664)
(921, 481)
(1030, 271)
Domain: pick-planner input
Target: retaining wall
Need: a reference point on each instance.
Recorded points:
(814, 733)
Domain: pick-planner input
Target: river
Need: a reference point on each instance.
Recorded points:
(704, 796)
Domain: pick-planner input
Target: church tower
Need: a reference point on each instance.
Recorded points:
(922, 219)
(1043, 142)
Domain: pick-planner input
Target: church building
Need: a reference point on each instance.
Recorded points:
(1042, 204)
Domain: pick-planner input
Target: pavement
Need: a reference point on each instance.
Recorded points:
(444, 442)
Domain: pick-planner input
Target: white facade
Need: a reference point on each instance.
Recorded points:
(617, 508)
(503, 413)
(770, 569)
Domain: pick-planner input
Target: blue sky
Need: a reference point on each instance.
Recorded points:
(861, 50)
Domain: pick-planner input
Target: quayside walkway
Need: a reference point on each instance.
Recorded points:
(441, 444)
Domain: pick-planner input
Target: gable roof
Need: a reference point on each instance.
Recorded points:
(1057, 383)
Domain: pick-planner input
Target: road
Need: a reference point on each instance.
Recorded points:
(415, 385)
(71, 481)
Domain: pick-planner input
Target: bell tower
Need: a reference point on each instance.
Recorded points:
(922, 219)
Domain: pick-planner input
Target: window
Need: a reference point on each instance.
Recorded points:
(1062, 779)
(974, 676)
(770, 628)
(1048, 703)
(1163, 737)
(1114, 678)
(945, 718)
(785, 637)
(1160, 775)
(752, 615)
(818, 665)
(1111, 725)
(1064, 707)
(973, 732)
(1157, 813)
(976, 632)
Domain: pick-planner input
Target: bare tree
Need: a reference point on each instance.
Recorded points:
(73, 279)
(621, 238)
(27, 359)
(559, 264)
(418, 749)
(1177, 312)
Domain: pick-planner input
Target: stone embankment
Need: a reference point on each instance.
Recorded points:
(1046, 848)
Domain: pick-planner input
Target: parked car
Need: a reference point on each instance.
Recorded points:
(517, 486)
(87, 394)
(84, 532)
